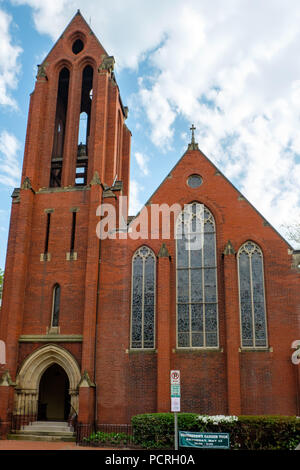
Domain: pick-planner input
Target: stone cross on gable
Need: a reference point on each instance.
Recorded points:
(193, 145)
(193, 128)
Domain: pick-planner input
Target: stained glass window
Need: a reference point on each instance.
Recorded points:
(252, 296)
(143, 299)
(197, 300)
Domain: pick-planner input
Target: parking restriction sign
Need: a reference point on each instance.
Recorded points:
(175, 390)
(175, 377)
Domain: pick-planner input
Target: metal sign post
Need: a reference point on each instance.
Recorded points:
(175, 431)
(175, 401)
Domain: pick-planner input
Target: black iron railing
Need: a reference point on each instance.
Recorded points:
(110, 435)
(83, 432)
(73, 418)
(23, 416)
(30, 412)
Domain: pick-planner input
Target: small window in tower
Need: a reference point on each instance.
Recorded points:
(55, 306)
(55, 174)
(81, 174)
(82, 132)
(77, 46)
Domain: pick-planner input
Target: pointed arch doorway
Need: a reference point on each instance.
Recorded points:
(54, 399)
(30, 377)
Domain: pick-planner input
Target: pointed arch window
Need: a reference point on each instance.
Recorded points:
(143, 299)
(252, 296)
(196, 280)
(55, 306)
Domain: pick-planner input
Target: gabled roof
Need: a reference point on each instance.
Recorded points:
(77, 14)
(195, 149)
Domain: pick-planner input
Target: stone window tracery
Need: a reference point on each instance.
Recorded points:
(252, 296)
(143, 299)
(197, 298)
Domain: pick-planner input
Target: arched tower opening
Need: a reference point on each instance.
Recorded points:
(59, 129)
(84, 126)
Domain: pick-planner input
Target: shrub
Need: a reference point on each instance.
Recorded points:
(156, 430)
(107, 438)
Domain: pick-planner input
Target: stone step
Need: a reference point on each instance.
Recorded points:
(50, 430)
(36, 437)
(47, 426)
(49, 423)
(45, 431)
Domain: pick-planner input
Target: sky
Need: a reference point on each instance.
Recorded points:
(233, 72)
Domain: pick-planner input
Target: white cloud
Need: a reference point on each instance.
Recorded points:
(135, 203)
(232, 71)
(142, 161)
(9, 65)
(10, 171)
(137, 26)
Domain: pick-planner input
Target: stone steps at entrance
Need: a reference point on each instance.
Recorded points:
(45, 431)
(36, 437)
(47, 426)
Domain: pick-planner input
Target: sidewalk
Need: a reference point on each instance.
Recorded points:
(42, 445)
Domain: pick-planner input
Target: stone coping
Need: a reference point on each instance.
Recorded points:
(51, 338)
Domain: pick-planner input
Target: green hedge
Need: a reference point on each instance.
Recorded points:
(156, 430)
(108, 438)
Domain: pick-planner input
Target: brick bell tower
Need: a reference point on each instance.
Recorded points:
(77, 151)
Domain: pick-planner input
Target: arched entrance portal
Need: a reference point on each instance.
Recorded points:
(36, 369)
(54, 399)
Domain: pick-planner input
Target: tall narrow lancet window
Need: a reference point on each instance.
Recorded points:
(252, 296)
(197, 299)
(59, 128)
(55, 306)
(84, 127)
(143, 299)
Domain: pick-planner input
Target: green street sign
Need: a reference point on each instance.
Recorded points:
(175, 390)
(204, 440)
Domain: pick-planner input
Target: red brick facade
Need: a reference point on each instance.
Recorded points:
(116, 381)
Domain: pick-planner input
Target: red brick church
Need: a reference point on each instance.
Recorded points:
(92, 324)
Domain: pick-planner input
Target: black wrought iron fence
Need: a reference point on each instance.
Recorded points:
(23, 415)
(73, 418)
(112, 435)
(30, 411)
(83, 432)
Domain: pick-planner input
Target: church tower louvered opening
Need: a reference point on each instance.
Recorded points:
(59, 129)
(84, 126)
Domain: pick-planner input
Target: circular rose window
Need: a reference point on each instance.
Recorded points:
(194, 181)
(77, 46)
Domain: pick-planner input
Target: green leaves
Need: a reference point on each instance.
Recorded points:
(156, 430)
(108, 438)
